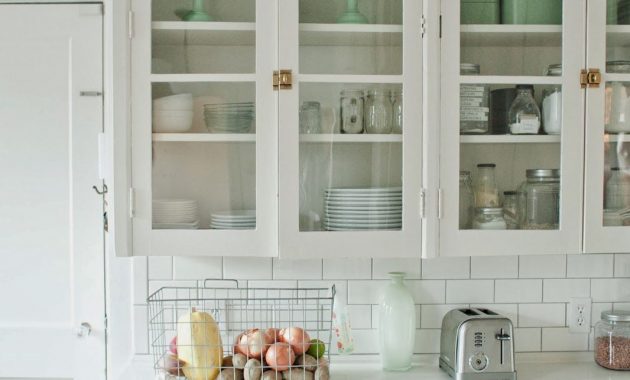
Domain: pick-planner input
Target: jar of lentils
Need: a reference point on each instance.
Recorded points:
(612, 340)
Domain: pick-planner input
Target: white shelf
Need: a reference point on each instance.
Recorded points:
(511, 35)
(342, 138)
(509, 79)
(617, 77)
(350, 35)
(509, 139)
(617, 138)
(180, 33)
(189, 78)
(204, 137)
(618, 35)
(324, 78)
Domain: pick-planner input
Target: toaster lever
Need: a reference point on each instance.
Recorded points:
(503, 337)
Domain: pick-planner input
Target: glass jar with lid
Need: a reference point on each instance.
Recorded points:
(397, 112)
(617, 119)
(466, 200)
(489, 218)
(612, 340)
(473, 103)
(539, 200)
(352, 111)
(510, 207)
(378, 112)
(524, 114)
(617, 192)
(552, 103)
(486, 190)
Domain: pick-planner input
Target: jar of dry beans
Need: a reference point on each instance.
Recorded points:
(612, 340)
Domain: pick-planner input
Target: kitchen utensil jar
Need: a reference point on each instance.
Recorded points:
(352, 111)
(612, 340)
(489, 218)
(552, 104)
(539, 200)
(486, 191)
(397, 111)
(617, 190)
(617, 113)
(466, 200)
(473, 98)
(397, 324)
(310, 118)
(378, 112)
(524, 114)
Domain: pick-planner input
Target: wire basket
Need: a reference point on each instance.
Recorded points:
(207, 322)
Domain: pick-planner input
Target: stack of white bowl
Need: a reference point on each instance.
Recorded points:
(362, 208)
(173, 114)
(181, 214)
(233, 220)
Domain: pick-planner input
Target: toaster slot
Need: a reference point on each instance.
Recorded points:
(469, 312)
(487, 312)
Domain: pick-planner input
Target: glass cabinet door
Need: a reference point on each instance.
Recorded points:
(204, 128)
(512, 126)
(350, 128)
(607, 198)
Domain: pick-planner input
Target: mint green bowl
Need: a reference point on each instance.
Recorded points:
(542, 12)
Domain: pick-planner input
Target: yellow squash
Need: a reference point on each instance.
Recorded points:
(199, 345)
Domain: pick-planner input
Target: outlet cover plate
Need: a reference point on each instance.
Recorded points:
(579, 318)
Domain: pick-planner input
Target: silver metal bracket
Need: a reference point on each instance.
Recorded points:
(423, 203)
(91, 93)
(423, 26)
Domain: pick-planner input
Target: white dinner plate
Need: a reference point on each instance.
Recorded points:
(361, 219)
(363, 208)
(234, 214)
(363, 213)
(363, 190)
(330, 228)
(363, 225)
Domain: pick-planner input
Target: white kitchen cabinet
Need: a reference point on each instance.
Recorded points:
(607, 171)
(275, 169)
(328, 58)
(227, 62)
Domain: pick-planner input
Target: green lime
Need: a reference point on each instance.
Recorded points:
(317, 348)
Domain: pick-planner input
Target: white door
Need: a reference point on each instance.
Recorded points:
(51, 233)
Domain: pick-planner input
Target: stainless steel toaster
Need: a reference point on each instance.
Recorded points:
(477, 344)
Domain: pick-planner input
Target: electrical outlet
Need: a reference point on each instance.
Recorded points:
(580, 315)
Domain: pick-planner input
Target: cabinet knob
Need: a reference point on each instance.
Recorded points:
(84, 330)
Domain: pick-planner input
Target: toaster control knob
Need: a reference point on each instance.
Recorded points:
(478, 361)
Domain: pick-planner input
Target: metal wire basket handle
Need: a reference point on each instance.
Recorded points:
(205, 281)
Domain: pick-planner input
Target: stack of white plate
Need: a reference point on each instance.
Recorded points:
(233, 220)
(363, 208)
(175, 214)
(230, 117)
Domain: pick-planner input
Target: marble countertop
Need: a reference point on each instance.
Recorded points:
(552, 366)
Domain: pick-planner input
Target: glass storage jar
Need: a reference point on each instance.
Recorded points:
(486, 190)
(524, 114)
(489, 218)
(397, 116)
(617, 190)
(539, 200)
(510, 207)
(473, 99)
(310, 118)
(466, 200)
(612, 340)
(552, 103)
(617, 113)
(352, 111)
(378, 112)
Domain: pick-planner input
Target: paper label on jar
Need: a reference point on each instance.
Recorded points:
(474, 114)
(530, 124)
(472, 88)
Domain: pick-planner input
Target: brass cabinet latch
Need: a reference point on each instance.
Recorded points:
(283, 80)
(591, 78)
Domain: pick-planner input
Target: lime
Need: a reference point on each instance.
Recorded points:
(317, 348)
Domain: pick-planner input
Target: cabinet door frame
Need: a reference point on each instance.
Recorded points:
(321, 244)
(567, 239)
(259, 242)
(597, 238)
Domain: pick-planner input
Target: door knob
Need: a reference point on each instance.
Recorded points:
(85, 329)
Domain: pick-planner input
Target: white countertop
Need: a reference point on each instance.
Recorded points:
(552, 366)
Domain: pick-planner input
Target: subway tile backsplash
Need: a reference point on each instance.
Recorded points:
(533, 291)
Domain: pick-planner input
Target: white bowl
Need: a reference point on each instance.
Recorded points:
(182, 102)
(172, 121)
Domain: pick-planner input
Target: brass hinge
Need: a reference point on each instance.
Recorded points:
(591, 78)
(283, 80)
